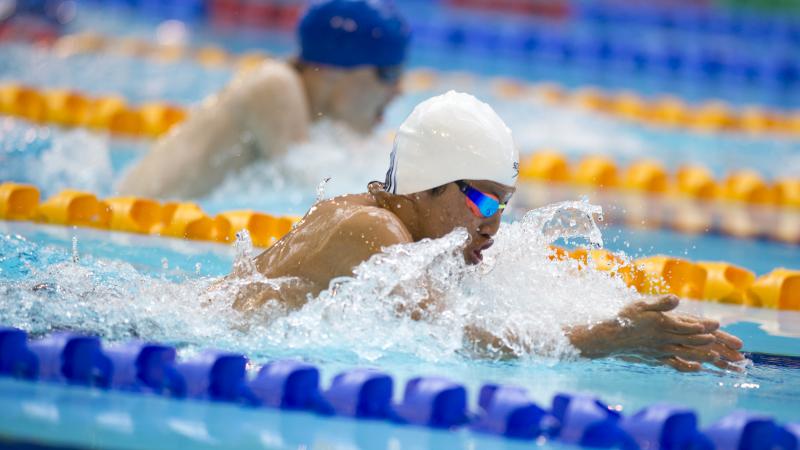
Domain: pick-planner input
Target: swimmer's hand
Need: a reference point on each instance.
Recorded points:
(644, 331)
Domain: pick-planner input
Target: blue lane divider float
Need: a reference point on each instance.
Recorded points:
(213, 375)
(664, 426)
(746, 24)
(507, 411)
(598, 35)
(361, 393)
(433, 401)
(152, 369)
(689, 59)
(585, 420)
(73, 358)
(140, 366)
(287, 385)
(741, 429)
(16, 359)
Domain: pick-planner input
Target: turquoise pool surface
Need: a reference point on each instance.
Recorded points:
(125, 286)
(116, 267)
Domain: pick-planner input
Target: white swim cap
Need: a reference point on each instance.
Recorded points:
(448, 138)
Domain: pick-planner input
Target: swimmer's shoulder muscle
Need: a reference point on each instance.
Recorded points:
(275, 106)
(361, 232)
(379, 228)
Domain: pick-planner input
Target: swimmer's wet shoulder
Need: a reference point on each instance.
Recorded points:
(332, 239)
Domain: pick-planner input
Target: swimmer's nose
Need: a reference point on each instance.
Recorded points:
(489, 226)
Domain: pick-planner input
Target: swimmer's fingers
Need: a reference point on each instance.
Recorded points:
(725, 365)
(695, 323)
(698, 354)
(727, 353)
(681, 325)
(710, 325)
(662, 304)
(728, 340)
(681, 365)
(693, 339)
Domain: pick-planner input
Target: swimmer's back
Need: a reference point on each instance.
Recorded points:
(259, 114)
(332, 239)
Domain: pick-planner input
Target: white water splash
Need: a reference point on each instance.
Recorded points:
(76, 257)
(321, 189)
(519, 294)
(77, 159)
(293, 179)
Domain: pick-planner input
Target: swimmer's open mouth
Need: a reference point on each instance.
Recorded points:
(478, 253)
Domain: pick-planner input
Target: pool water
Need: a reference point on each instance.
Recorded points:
(125, 286)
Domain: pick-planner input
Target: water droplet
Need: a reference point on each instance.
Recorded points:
(76, 257)
(321, 188)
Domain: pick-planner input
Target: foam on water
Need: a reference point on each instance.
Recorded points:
(518, 294)
(55, 159)
(348, 160)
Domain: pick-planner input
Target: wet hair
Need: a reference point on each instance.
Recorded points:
(438, 190)
(435, 192)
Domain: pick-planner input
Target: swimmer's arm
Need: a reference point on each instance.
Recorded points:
(276, 108)
(254, 295)
(642, 331)
(195, 155)
(645, 331)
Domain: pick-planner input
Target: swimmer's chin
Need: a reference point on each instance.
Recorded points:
(474, 257)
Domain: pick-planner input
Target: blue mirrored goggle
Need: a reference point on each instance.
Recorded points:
(480, 203)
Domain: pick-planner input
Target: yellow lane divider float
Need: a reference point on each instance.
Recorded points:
(706, 280)
(210, 56)
(113, 114)
(600, 172)
(591, 173)
(713, 115)
(73, 109)
(664, 111)
(645, 195)
(138, 215)
(714, 281)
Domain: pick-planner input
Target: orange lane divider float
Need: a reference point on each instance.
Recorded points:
(713, 281)
(138, 215)
(705, 280)
(18, 201)
(645, 195)
(601, 172)
(669, 111)
(665, 111)
(209, 56)
(73, 109)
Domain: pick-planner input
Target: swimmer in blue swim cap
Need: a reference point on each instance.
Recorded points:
(454, 164)
(348, 70)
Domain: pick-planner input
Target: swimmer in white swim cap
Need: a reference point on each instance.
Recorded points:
(454, 164)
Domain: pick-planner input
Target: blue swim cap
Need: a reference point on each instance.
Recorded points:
(350, 33)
